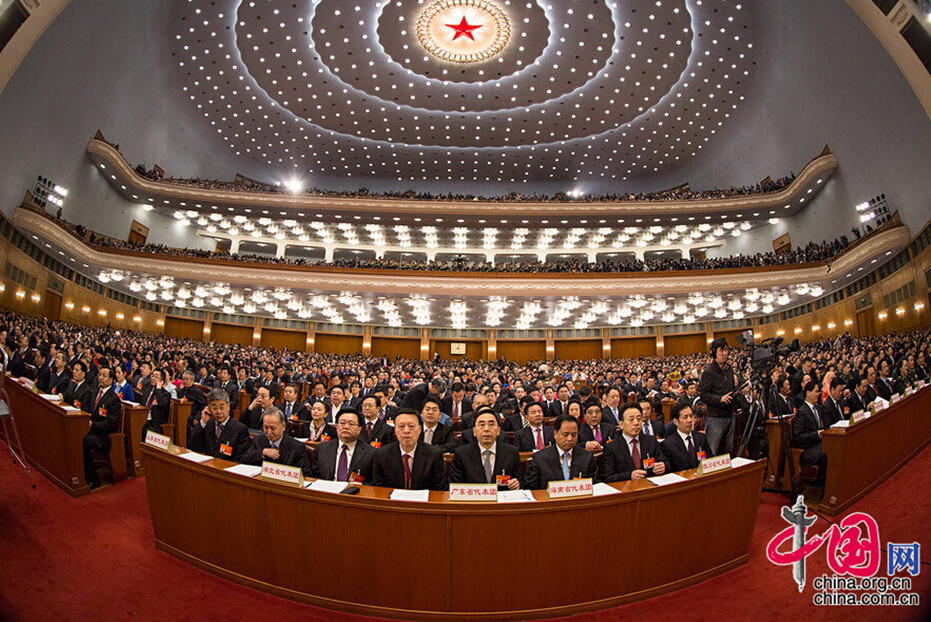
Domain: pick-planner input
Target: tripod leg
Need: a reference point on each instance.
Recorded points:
(17, 457)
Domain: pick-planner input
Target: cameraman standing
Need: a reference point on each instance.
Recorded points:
(716, 387)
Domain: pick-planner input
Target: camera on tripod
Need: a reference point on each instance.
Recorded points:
(763, 357)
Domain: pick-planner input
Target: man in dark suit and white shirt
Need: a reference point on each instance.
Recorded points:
(217, 434)
(60, 376)
(79, 393)
(375, 430)
(857, 399)
(192, 394)
(345, 458)
(252, 416)
(276, 446)
(435, 433)
(415, 397)
(292, 408)
(610, 408)
(535, 436)
(564, 460)
(684, 447)
(650, 426)
(228, 384)
(560, 406)
(629, 455)
(410, 463)
(488, 457)
(105, 420)
(594, 434)
(456, 404)
(833, 406)
(807, 428)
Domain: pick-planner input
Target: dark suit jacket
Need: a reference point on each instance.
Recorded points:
(197, 399)
(428, 470)
(80, 397)
(513, 423)
(415, 397)
(17, 365)
(545, 467)
(555, 409)
(608, 416)
(252, 417)
(657, 426)
(780, 405)
(617, 463)
(465, 407)
(677, 455)
(232, 389)
(831, 412)
(160, 409)
(59, 382)
(854, 403)
(105, 413)
(327, 455)
(526, 438)
(381, 433)
(466, 467)
(203, 439)
(885, 390)
(805, 434)
(443, 438)
(43, 377)
(298, 411)
(586, 433)
(290, 452)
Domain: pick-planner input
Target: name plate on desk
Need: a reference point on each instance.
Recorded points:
(715, 464)
(282, 473)
(570, 488)
(859, 416)
(909, 391)
(158, 440)
(895, 398)
(473, 493)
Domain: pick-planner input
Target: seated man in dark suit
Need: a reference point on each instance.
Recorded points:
(629, 456)
(856, 401)
(535, 436)
(375, 431)
(345, 455)
(409, 463)
(482, 461)
(783, 403)
(292, 408)
(562, 461)
(192, 394)
(456, 404)
(43, 370)
(684, 447)
(276, 446)
(651, 426)
(595, 433)
(252, 416)
(833, 407)
(79, 393)
(60, 377)
(807, 428)
(217, 434)
(435, 433)
(105, 420)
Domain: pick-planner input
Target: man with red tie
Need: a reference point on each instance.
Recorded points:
(105, 420)
(633, 455)
(410, 463)
(594, 434)
(535, 436)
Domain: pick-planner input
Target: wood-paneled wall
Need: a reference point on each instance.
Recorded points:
(576, 349)
(522, 351)
(393, 347)
(475, 350)
(633, 347)
(281, 339)
(231, 333)
(184, 328)
(674, 345)
(327, 343)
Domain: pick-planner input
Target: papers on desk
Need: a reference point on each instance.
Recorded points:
(410, 495)
(325, 485)
(52, 397)
(196, 457)
(601, 489)
(302, 440)
(843, 423)
(667, 479)
(515, 496)
(739, 462)
(244, 469)
(129, 403)
(71, 409)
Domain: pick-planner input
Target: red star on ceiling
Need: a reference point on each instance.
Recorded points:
(463, 28)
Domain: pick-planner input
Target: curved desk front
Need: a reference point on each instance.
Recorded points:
(440, 560)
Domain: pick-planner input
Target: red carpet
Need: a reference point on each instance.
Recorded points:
(94, 559)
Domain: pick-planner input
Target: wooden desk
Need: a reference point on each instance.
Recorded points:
(777, 471)
(177, 418)
(134, 418)
(425, 551)
(52, 438)
(864, 455)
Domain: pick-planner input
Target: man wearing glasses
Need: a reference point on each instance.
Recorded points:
(344, 459)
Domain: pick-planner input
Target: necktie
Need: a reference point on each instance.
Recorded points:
(99, 395)
(219, 430)
(456, 409)
(690, 447)
(342, 468)
(565, 465)
(148, 403)
(407, 470)
(368, 429)
(287, 410)
(814, 409)
(428, 436)
(789, 404)
(635, 454)
(647, 429)
(489, 466)
(539, 439)
(598, 434)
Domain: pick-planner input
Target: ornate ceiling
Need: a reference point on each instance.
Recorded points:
(466, 90)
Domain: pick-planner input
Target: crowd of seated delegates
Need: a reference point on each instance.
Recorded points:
(569, 409)
(676, 194)
(812, 252)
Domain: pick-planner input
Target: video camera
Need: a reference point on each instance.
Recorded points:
(763, 357)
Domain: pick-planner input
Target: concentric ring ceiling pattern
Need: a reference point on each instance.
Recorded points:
(581, 90)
